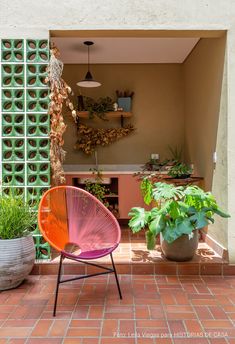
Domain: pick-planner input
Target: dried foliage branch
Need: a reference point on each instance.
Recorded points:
(89, 138)
(59, 93)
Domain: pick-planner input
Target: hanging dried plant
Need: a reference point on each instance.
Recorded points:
(89, 138)
(59, 94)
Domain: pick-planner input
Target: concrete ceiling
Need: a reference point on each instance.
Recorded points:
(125, 50)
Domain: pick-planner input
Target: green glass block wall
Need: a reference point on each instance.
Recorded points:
(25, 123)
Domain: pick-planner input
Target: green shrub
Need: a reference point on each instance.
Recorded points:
(16, 217)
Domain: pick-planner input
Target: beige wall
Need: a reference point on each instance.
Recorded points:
(157, 111)
(203, 74)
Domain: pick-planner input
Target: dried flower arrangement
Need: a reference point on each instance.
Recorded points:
(92, 137)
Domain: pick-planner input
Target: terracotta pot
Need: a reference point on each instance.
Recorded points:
(182, 249)
(16, 261)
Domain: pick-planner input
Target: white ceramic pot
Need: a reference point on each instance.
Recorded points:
(17, 258)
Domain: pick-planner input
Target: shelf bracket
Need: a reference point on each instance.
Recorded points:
(122, 121)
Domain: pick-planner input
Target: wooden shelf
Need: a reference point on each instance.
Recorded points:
(112, 114)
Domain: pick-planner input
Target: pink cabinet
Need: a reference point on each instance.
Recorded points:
(128, 195)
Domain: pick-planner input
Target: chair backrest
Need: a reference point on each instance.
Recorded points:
(68, 214)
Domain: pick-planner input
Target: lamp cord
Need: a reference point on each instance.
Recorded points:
(88, 67)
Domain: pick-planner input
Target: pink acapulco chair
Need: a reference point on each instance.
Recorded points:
(78, 225)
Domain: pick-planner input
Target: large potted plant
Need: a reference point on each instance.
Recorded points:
(177, 214)
(17, 251)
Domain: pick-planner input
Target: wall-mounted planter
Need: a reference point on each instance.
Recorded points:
(124, 103)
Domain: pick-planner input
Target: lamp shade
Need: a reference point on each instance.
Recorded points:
(88, 81)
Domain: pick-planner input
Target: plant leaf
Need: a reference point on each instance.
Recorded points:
(138, 219)
(151, 240)
(157, 225)
(200, 219)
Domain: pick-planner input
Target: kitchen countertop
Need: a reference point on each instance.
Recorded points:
(106, 169)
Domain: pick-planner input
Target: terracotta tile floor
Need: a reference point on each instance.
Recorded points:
(132, 257)
(154, 309)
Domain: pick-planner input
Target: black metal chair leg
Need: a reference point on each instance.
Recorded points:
(115, 273)
(57, 285)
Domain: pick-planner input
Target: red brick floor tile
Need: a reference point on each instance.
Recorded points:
(176, 327)
(157, 312)
(217, 341)
(58, 328)
(145, 341)
(193, 326)
(96, 312)
(85, 323)
(109, 328)
(142, 312)
(16, 341)
(117, 341)
(203, 312)
(15, 331)
(145, 269)
(72, 341)
(188, 269)
(151, 323)
(90, 341)
(219, 324)
(42, 328)
(179, 308)
(81, 312)
(168, 299)
(165, 269)
(218, 312)
(210, 269)
(190, 341)
(83, 332)
(45, 341)
(180, 315)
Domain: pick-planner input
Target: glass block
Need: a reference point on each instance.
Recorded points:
(37, 50)
(43, 249)
(13, 149)
(12, 100)
(12, 125)
(37, 100)
(36, 74)
(38, 124)
(38, 149)
(12, 50)
(34, 195)
(16, 191)
(12, 75)
(13, 174)
(38, 174)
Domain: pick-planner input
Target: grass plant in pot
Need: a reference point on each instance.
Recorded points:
(17, 251)
(177, 214)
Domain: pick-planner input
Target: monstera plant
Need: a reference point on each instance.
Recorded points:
(177, 212)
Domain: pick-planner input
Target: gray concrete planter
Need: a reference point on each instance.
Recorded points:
(16, 261)
(182, 249)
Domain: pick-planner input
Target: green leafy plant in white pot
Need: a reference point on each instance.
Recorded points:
(17, 251)
(177, 214)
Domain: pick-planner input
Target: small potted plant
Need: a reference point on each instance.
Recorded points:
(178, 213)
(17, 251)
(180, 170)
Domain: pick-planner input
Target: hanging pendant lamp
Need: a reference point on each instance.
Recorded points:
(88, 81)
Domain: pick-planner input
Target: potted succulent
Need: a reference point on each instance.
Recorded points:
(178, 213)
(17, 251)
